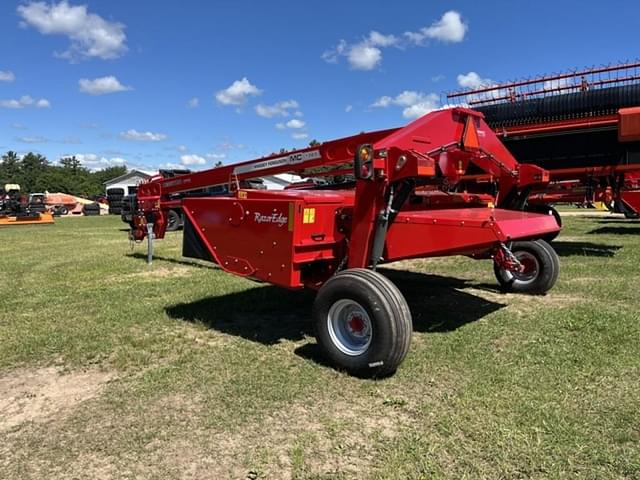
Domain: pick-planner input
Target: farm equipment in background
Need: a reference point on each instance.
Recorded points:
(582, 126)
(173, 205)
(17, 209)
(331, 238)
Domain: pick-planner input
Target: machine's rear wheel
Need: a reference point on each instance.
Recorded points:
(362, 323)
(541, 268)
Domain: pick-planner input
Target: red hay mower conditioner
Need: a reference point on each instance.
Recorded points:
(331, 238)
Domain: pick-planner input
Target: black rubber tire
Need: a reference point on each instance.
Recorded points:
(62, 210)
(390, 317)
(548, 269)
(174, 221)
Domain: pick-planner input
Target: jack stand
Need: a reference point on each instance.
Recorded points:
(150, 237)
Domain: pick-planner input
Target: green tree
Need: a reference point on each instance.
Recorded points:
(10, 168)
(32, 166)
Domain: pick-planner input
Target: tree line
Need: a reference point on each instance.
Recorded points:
(34, 173)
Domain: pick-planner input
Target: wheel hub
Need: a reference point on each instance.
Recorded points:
(349, 327)
(530, 267)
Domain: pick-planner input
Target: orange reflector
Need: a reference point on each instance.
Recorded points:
(470, 139)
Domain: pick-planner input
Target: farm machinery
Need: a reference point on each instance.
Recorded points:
(17, 209)
(582, 126)
(397, 204)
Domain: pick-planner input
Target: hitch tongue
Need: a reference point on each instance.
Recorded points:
(506, 260)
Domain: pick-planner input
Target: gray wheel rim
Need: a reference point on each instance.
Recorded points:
(349, 327)
(531, 264)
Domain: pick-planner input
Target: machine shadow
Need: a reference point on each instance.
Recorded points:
(271, 314)
(588, 249)
(190, 263)
(616, 230)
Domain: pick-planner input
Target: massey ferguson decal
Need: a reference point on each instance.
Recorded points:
(292, 159)
(275, 218)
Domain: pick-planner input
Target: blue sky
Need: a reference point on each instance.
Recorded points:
(155, 83)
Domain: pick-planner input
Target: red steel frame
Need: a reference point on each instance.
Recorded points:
(296, 238)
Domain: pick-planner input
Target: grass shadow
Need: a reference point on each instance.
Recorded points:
(269, 314)
(265, 314)
(179, 261)
(616, 230)
(588, 249)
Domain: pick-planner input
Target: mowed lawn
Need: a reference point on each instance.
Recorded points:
(110, 368)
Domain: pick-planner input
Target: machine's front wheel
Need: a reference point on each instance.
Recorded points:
(541, 268)
(362, 323)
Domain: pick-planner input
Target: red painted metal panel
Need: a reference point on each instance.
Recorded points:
(629, 127)
(430, 233)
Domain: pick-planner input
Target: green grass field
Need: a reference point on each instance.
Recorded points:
(110, 368)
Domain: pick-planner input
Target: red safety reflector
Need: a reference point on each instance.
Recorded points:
(470, 139)
(629, 124)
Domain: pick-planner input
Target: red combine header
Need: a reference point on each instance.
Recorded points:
(395, 205)
(582, 126)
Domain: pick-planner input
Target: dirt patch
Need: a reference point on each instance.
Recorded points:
(32, 395)
(301, 441)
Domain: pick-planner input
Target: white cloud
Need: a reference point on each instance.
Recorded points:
(473, 80)
(348, 108)
(367, 53)
(133, 134)
(18, 126)
(379, 40)
(415, 104)
(237, 93)
(364, 55)
(299, 135)
(25, 101)
(90, 35)
(33, 139)
(216, 156)
(7, 76)
(332, 56)
(182, 148)
(102, 85)
(449, 29)
(382, 102)
(193, 103)
(171, 166)
(295, 123)
(97, 162)
(192, 160)
(280, 126)
(279, 109)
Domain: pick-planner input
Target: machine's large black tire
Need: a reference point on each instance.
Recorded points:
(174, 221)
(379, 309)
(543, 267)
